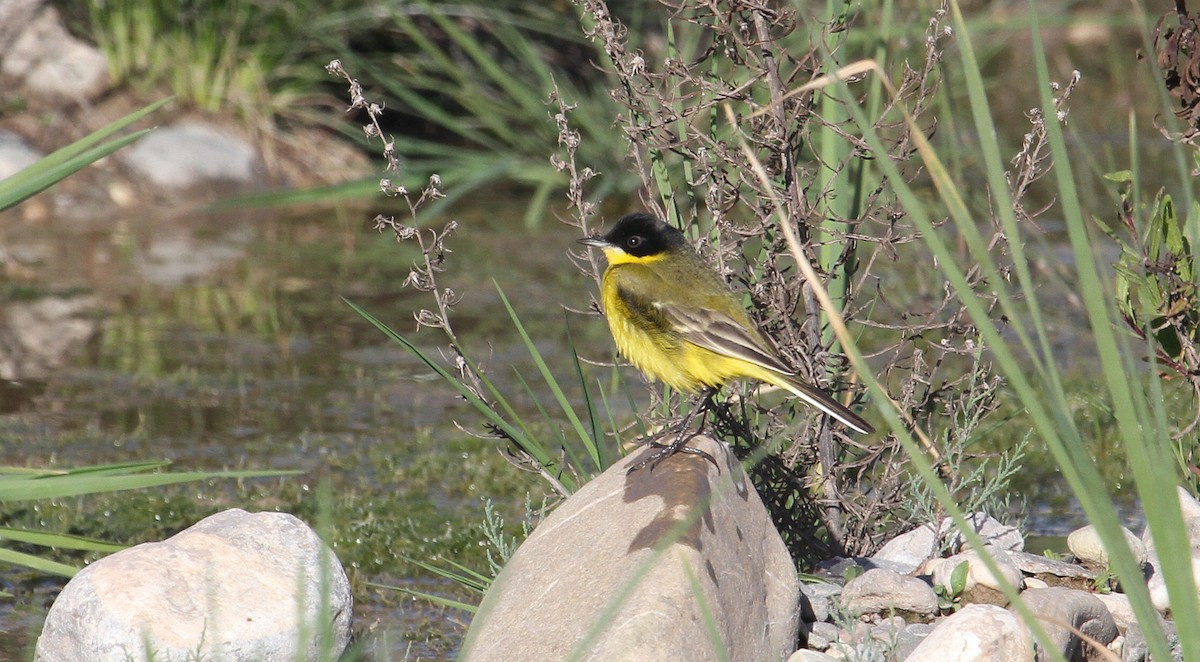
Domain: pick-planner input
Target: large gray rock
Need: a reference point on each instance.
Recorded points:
(977, 633)
(53, 64)
(878, 590)
(627, 568)
(234, 587)
(1063, 612)
(189, 154)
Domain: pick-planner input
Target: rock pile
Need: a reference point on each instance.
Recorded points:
(906, 602)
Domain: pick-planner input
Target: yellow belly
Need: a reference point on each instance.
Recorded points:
(664, 356)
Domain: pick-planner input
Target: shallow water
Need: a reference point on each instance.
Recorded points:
(223, 342)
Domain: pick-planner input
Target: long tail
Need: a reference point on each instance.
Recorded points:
(823, 401)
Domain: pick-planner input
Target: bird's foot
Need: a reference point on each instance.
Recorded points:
(667, 450)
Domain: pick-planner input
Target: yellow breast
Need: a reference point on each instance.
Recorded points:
(660, 353)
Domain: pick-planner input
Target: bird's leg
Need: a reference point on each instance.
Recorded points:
(680, 443)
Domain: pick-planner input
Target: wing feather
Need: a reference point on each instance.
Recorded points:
(721, 333)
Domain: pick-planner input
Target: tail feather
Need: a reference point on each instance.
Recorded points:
(825, 402)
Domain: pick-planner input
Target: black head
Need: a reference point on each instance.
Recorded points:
(641, 234)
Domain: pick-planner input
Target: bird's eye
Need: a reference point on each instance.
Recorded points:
(633, 242)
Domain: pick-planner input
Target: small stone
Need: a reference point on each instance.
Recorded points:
(880, 590)
(1157, 584)
(905, 642)
(993, 532)
(1135, 648)
(1063, 612)
(15, 16)
(1188, 503)
(1086, 545)
(189, 154)
(822, 635)
(978, 573)
(1034, 564)
(820, 597)
(54, 64)
(39, 336)
(910, 549)
(842, 652)
(976, 633)
(1190, 524)
(837, 568)
(806, 655)
(1118, 605)
(888, 629)
(15, 154)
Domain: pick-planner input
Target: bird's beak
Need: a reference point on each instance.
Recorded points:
(596, 241)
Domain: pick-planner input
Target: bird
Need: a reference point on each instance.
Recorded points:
(675, 319)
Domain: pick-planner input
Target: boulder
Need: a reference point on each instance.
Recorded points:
(678, 563)
(235, 587)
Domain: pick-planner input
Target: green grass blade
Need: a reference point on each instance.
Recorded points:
(35, 563)
(572, 456)
(58, 540)
(75, 485)
(1154, 478)
(435, 599)
(589, 405)
(72, 158)
(459, 574)
(548, 376)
